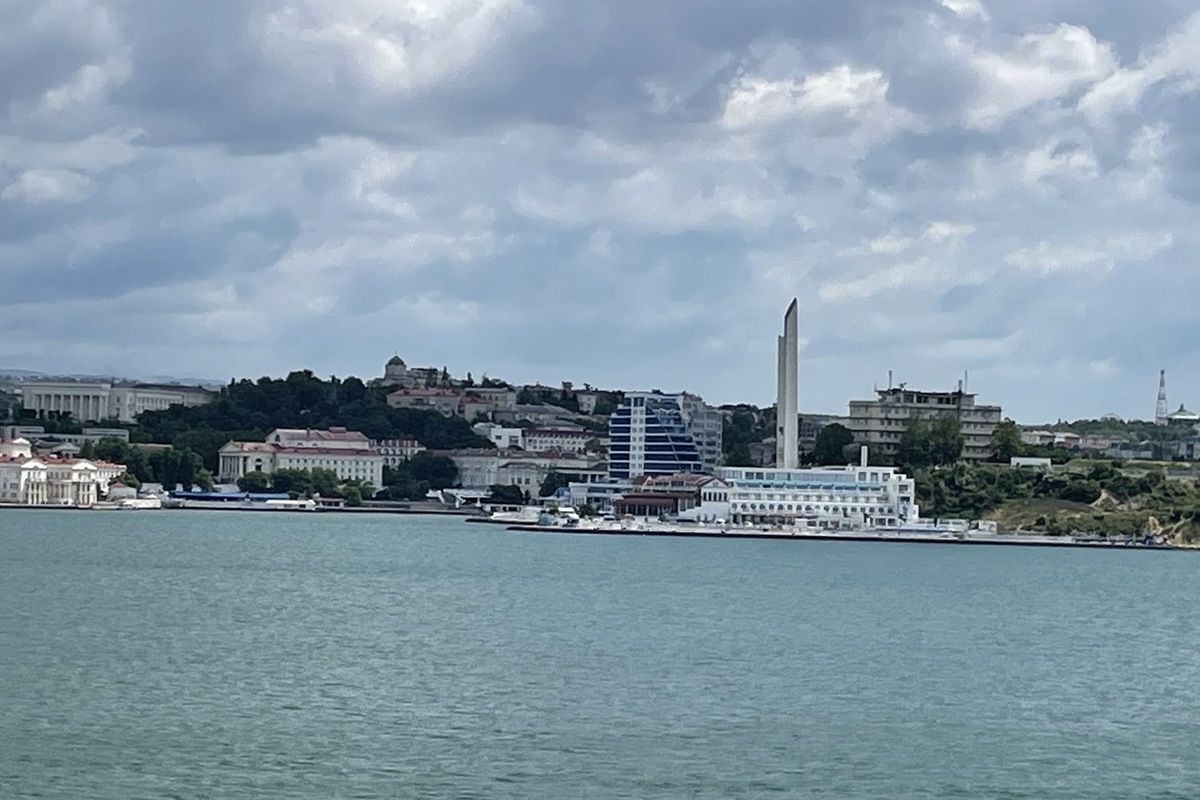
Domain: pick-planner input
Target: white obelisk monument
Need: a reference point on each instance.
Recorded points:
(787, 432)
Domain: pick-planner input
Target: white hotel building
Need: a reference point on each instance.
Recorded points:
(348, 453)
(830, 498)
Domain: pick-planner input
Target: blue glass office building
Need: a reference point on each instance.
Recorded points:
(662, 434)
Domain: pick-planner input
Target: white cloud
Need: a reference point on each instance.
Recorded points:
(1175, 57)
(38, 186)
(968, 9)
(1063, 160)
(843, 91)
(392, 46)
(1102, 256)
(942, 230)
(1040, 66)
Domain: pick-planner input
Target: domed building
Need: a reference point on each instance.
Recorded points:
(398, 374)
(395, 371)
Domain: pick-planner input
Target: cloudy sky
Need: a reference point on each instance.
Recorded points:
(621, 192)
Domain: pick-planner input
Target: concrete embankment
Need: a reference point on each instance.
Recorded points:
(998, 540)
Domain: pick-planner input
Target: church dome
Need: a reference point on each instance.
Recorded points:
(395, 361)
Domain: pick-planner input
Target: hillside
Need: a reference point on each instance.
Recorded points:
(1101, 497)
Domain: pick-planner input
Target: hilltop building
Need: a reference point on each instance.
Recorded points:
(879, 423)
(398, 374)
(348, 453)
(652, 433)
(94, 401)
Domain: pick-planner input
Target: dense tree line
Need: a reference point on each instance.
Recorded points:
(316, 482)
(741, 426)
(248, 410)
(413, 479)
(166, 465)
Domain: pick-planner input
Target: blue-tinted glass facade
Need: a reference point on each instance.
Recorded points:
(649, 435)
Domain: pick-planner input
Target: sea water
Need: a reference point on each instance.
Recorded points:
(192, 654)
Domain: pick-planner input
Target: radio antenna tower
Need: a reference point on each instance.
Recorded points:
(1160, 411)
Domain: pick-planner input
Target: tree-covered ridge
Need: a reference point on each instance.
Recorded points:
(249, 410)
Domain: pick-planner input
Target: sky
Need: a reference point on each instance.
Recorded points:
(616, 192)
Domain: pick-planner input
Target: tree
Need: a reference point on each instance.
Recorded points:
(111, 449)
(946, 440)
(254, 482)
(129, 480)
(831, 443)
(325, 482)
(607, 402)
(526, 398)
(553, 481)
(88, 450)
(913, 449)
(292, 480)
(739, 456)
(1006, 442)
(508, 495)
(440, 472)
(204, 480)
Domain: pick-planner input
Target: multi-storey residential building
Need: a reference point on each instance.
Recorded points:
(396, 451)
(92, 401)
(652, 433)
(445, 401)
(503, 437)
(348, 453)
(707, 426)
(879, 423)
(500, 398)
(567, 440)
(479, 469)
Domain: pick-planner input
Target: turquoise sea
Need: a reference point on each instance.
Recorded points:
(182, 654)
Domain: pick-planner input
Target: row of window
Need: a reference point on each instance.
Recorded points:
(811, 509)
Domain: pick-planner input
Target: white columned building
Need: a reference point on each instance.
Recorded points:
(93, 401)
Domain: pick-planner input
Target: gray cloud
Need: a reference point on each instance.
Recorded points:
(619, 193)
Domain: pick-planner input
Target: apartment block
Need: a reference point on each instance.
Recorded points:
(879, 423)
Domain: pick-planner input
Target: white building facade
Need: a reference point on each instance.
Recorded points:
(566, 440)
(92, 401)
(480, 469)
(396, 451)
(505, 438)
(828, 498)
(34, 480)
(347, 453)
